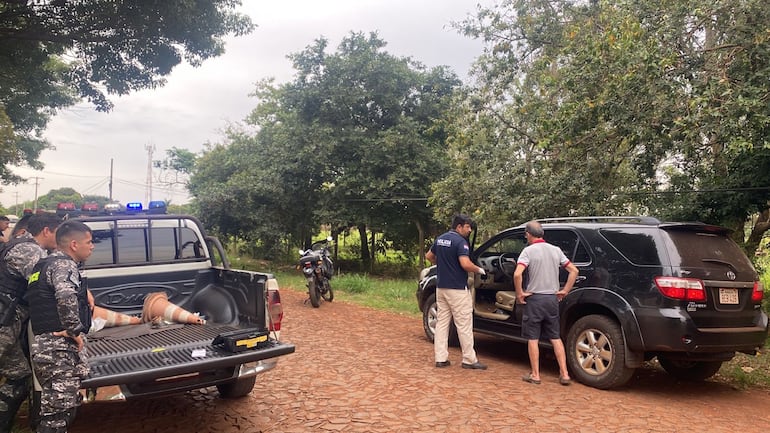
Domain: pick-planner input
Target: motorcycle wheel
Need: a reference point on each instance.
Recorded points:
(327, 293)
(315, 298)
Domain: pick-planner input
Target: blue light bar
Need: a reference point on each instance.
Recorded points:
(134, 206)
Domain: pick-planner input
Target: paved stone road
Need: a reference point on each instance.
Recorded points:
(361, 370)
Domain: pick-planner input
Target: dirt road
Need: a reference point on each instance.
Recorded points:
(361, 370)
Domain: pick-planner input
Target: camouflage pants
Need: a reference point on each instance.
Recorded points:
(59, 368)
(14, 368)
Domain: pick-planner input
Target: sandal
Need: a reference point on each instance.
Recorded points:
(565, 381)
(528, 378)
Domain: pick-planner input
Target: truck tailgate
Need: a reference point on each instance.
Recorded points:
(167, 353)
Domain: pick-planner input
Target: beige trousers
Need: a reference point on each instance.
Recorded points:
(458, 305)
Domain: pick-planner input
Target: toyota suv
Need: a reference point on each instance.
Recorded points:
(682, 292)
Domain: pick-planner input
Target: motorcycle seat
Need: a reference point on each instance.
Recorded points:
(309, 258)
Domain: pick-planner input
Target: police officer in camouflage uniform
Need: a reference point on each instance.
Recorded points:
(60, 315)
(17, 259)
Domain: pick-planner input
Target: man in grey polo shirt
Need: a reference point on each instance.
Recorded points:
(541, 299)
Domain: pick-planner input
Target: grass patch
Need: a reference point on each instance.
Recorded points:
(746, 371)
(394, 295)
(354, 283)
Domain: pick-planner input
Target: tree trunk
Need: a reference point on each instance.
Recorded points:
(366, 260)
(373, 252)
(757, 231)
(421, 242)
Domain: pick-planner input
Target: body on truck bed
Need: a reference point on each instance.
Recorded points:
(135, 255)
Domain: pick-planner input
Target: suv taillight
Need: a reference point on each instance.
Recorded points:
(687, 289)
(274, 307)
(758, 293)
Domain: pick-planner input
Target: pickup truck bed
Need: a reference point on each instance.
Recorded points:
(137, 356)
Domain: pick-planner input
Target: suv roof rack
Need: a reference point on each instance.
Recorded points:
(596, 219)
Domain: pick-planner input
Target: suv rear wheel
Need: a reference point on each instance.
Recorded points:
(596, 352)
(690, 370)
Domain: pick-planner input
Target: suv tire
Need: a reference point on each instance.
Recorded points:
(596, 353)
(429, 320)
(690, 370)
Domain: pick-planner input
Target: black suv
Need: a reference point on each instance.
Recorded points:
(682, 292)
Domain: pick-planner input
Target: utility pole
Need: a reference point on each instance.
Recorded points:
(110, 185)
(17, 203)
(37, 182)
(148, 195)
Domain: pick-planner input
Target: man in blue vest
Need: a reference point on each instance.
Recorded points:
(453, 299)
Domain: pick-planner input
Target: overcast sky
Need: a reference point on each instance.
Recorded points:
(197, 103)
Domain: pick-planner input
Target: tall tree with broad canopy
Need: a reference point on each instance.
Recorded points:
(354, 140)
(54, 53)
(604, 107)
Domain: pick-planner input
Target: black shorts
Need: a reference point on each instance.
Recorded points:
(541, 317)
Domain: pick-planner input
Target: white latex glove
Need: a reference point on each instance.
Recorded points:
(482, 271)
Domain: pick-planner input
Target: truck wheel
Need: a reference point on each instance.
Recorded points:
(596, 352)
(240, 388)
(315, 299)
(328, 293)
(690, 370)
(430, 319)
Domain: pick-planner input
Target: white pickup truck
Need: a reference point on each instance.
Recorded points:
(136, 255)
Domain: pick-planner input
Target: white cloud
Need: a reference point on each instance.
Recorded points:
(197, 103)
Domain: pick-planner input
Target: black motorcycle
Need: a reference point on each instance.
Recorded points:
(318, 269)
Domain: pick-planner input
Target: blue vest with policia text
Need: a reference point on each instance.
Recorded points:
(42, 300)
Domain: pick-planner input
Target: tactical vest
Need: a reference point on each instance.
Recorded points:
(43, 311)
(12, 284)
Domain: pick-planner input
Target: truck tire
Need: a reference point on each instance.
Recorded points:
(693, 371)
(429, 320)
(596, 352)
(240, 388)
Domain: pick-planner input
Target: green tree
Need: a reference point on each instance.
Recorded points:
(609, 107)
(176, 168)
(355, 140)
(55, 52)
(381, 118)
(49, 200)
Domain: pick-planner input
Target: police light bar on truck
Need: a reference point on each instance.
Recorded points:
(134, 206)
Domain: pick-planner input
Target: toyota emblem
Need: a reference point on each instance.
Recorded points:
(730, 275)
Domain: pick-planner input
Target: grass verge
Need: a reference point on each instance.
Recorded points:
(380, 293)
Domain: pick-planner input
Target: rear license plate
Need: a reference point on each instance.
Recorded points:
(728, 296)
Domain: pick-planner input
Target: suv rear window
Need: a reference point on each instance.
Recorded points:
(698, 249)
(637, 245)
